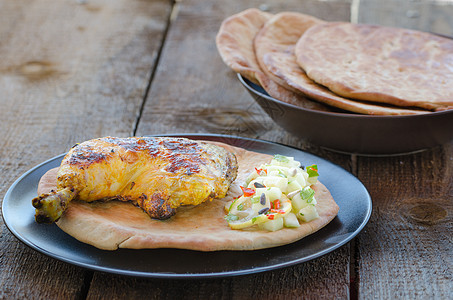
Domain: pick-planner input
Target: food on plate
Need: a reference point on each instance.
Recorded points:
(343, 67)
(235, 45)
(277, 195)
(275, 45)
(374, 63)
(117, 224)
(158, 174)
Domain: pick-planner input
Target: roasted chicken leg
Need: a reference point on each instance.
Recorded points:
(158, 174)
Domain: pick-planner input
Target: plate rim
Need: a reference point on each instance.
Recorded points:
(163, 275)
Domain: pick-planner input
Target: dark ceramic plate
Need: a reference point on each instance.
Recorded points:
(354, 133)
(348, 191)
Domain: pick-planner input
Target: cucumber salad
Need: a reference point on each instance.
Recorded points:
(277, 195)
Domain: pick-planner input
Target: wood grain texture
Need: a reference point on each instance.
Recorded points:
(318, 277)
(70, 71)
(432, 16)
(194, 91)
(406, 249)
(74, 70)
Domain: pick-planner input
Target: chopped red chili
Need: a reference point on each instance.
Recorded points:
(276, 204)
(260, 170)
(248, 191)
(270, 217)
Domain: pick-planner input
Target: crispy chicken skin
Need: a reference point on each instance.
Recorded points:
(158, 174)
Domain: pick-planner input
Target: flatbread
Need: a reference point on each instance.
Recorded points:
(396, 66)
(274, 48)
(234, 41)
(278, 37)
(283, 94)
(286, 68)
(235, 45)
(114, 224)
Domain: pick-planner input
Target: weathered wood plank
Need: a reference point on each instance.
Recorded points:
(70, 71)
(194, 91)
(432, 16)
(406, 249)
(315, 279)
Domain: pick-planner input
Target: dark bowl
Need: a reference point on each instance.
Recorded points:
(355, 133)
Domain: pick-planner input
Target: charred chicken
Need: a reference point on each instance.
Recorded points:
(157, 174)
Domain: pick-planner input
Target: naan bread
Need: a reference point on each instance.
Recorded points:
(235, 44)
(114, 224)
(274, 47)
(283, 94)
(396, 66)
(234, 41)
(277, 39)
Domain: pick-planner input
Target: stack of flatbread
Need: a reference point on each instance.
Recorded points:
(339, 66)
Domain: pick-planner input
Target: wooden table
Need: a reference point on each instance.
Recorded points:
(79, 69)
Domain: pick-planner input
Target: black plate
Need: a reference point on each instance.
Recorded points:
(347, 190)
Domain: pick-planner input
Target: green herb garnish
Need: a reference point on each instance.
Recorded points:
(231, 217)
(281, 158)
(307, 194)
(312, 171)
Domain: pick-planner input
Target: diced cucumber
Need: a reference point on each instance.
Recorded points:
(298, 203)
(252, 176)
(308, 213)
(301, 178)
(276, 181)
(295, 163)
(277, 169)
(304, 198)
(272, 193)
(293, 186)
(272, 225)
(259, 191)
(292, 172)
(284, 161)
(313, 201)
(281, 160)
(312, 180)
(290, 220)
(307, 193)
(273, 173)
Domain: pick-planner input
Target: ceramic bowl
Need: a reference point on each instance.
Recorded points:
(355, 133)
